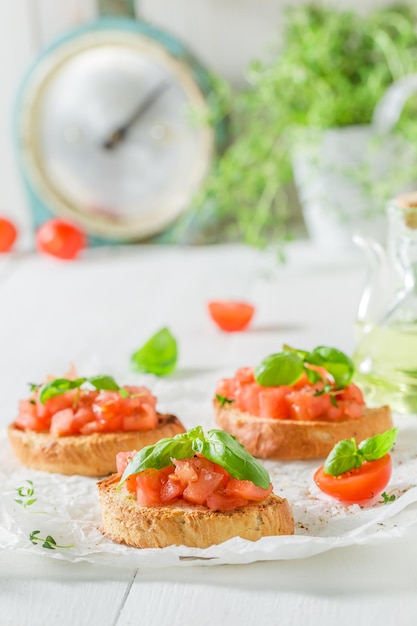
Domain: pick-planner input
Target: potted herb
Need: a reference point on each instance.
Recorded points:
(313, 102)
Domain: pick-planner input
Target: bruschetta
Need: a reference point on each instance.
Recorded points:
(303, 418)
(78, 425)
(215, 491)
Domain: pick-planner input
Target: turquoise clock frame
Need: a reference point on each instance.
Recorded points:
(39, 208)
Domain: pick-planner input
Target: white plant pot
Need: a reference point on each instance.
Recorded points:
(339, 174)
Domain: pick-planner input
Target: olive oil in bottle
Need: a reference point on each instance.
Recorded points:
(386, 366)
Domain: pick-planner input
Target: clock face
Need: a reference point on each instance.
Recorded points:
(110, 136)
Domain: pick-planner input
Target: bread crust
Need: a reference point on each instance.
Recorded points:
(126, 522)
(86, 455)
(268, 438)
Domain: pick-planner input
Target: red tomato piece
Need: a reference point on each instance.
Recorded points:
(60, 239)
(273, 402)
(206, 484)
(360, 485)
(62, 423)
(83, 416)
(245, 375)
(246, 489)
(185, 471)
(171, 489)
(218, 501)
(28, 419)
(231, 315)
(146, 418)
(149, 484)
(226, 388)
(247, 398)
(123, 459)
(8, 234)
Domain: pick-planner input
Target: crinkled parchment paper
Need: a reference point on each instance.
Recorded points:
(67, 509)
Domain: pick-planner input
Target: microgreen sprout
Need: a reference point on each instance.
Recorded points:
(47, 542)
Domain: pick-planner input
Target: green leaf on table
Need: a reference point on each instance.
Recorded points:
(158, 355)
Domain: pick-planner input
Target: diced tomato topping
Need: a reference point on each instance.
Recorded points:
(62, 423)
(301, 401)
(222, 502)
(171, 489)
(144, 419)
(195, 480)
(123, 459)
(273, 402)
(198, 491)
(91, 412)
(245, 375)
(149, 484)
(246, 489)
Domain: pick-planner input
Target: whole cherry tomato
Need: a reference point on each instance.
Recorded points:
(231, 315)
(60, 239)
(8, 234)
(359, 485)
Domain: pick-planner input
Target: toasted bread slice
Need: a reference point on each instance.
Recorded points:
(87, 455)
(125, 521)
(268, 438)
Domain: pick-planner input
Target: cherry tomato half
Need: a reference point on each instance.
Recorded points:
(230, 315)
(8, 234)
(61, 239)
(359, 485)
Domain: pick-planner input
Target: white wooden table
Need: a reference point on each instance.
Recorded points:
(94, 312)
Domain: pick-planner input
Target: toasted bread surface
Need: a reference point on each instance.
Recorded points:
(268, 438)
(126, 522)
(87, 455)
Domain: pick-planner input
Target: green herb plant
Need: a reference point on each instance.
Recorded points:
(331, 71)
(47, 542)
(386, 498)
(216, 445)
(159, 355)
(346, 455)
(26, 494)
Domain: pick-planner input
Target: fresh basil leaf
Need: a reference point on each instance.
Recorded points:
(338, 364)
(378, 446)
(159, 455)
(104, 383)
(301, 353)
(222, 400)
(342, 458)
(312, 375)
(158, 355)
(222, 448)
(282, 368)
(57, 387)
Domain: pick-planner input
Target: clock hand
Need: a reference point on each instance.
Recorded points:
(120, 133)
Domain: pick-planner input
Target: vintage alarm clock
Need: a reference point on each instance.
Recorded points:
(106, 130)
